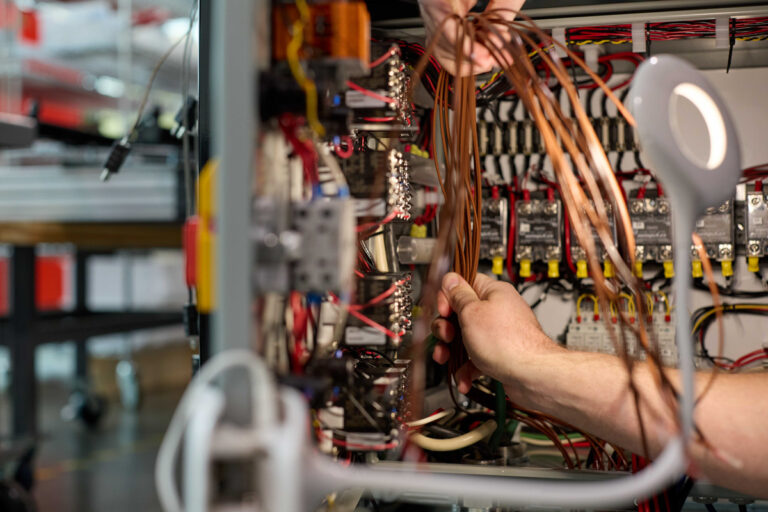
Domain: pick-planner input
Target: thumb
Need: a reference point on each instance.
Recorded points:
(460, 294)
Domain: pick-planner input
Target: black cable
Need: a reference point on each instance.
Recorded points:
(682, 490)
(382, 354)
(725, 291)
(710, 507)
(701, 331)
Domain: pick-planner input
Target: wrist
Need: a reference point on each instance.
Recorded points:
(533, 371)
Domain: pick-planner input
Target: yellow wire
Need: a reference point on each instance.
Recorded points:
(626, 41)
(630, 304)
(741, 307)
(600, 42)
(614, 309)
(651, 305)
(587, 296)
(292, 54)
(500, 72)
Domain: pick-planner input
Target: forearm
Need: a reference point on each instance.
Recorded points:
(591, 391)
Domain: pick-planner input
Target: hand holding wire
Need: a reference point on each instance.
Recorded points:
(434, 12)
(500, 332)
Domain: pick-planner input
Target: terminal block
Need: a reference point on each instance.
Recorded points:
(717, 230)
(386, 300)
(652, 225)
(594, 335)
(391, 80)
(382, 175)
(538, 225)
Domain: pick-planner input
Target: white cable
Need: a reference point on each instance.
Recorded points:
(203, 420)
(533, 441)
(333, 165)
(431, 418)
(454, 443)
(262, 394)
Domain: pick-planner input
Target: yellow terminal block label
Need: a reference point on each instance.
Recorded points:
(581, 269)
(608, 270)
(697, 269)
(553, 269)
(498, 265)
(639, 269)
(726, 267)
(418, 231)
(525, 268)
(669, 269)
(753, 264)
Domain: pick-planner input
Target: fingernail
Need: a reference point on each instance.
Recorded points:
(451, 282)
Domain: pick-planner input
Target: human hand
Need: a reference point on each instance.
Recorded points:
(502, 336)
(435, 11)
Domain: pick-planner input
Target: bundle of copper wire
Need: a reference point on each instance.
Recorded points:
(587, 184)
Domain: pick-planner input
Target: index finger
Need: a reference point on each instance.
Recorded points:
(443, 306)
(487, 288)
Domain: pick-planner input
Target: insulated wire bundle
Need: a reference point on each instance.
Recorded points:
(586, 181)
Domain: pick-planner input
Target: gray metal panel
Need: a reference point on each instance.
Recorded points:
(617, 14)
(233, 88)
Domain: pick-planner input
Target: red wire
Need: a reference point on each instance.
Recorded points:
(370, 94)
(568, 255)
(389, 291)
(371, 225)
(384, 58)
(379, 119)
(344, 153)
(375, 325)
(511, 237)
(368, 321)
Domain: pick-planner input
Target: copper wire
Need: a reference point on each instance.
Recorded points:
(587, 183)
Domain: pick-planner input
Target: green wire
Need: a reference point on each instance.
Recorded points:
(533, 435)
(501, 415)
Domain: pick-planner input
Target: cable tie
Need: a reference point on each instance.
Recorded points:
(638, 38)
(558, 34)
(731, 44)
(722, 32)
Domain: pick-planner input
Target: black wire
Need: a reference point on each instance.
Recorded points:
(710, 507)
(699, 284)
(700, 332)
(680, 493)
(382, 354)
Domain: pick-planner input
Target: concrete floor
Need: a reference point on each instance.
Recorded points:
(110, 468)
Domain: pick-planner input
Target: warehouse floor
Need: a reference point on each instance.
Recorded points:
(110, 468)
